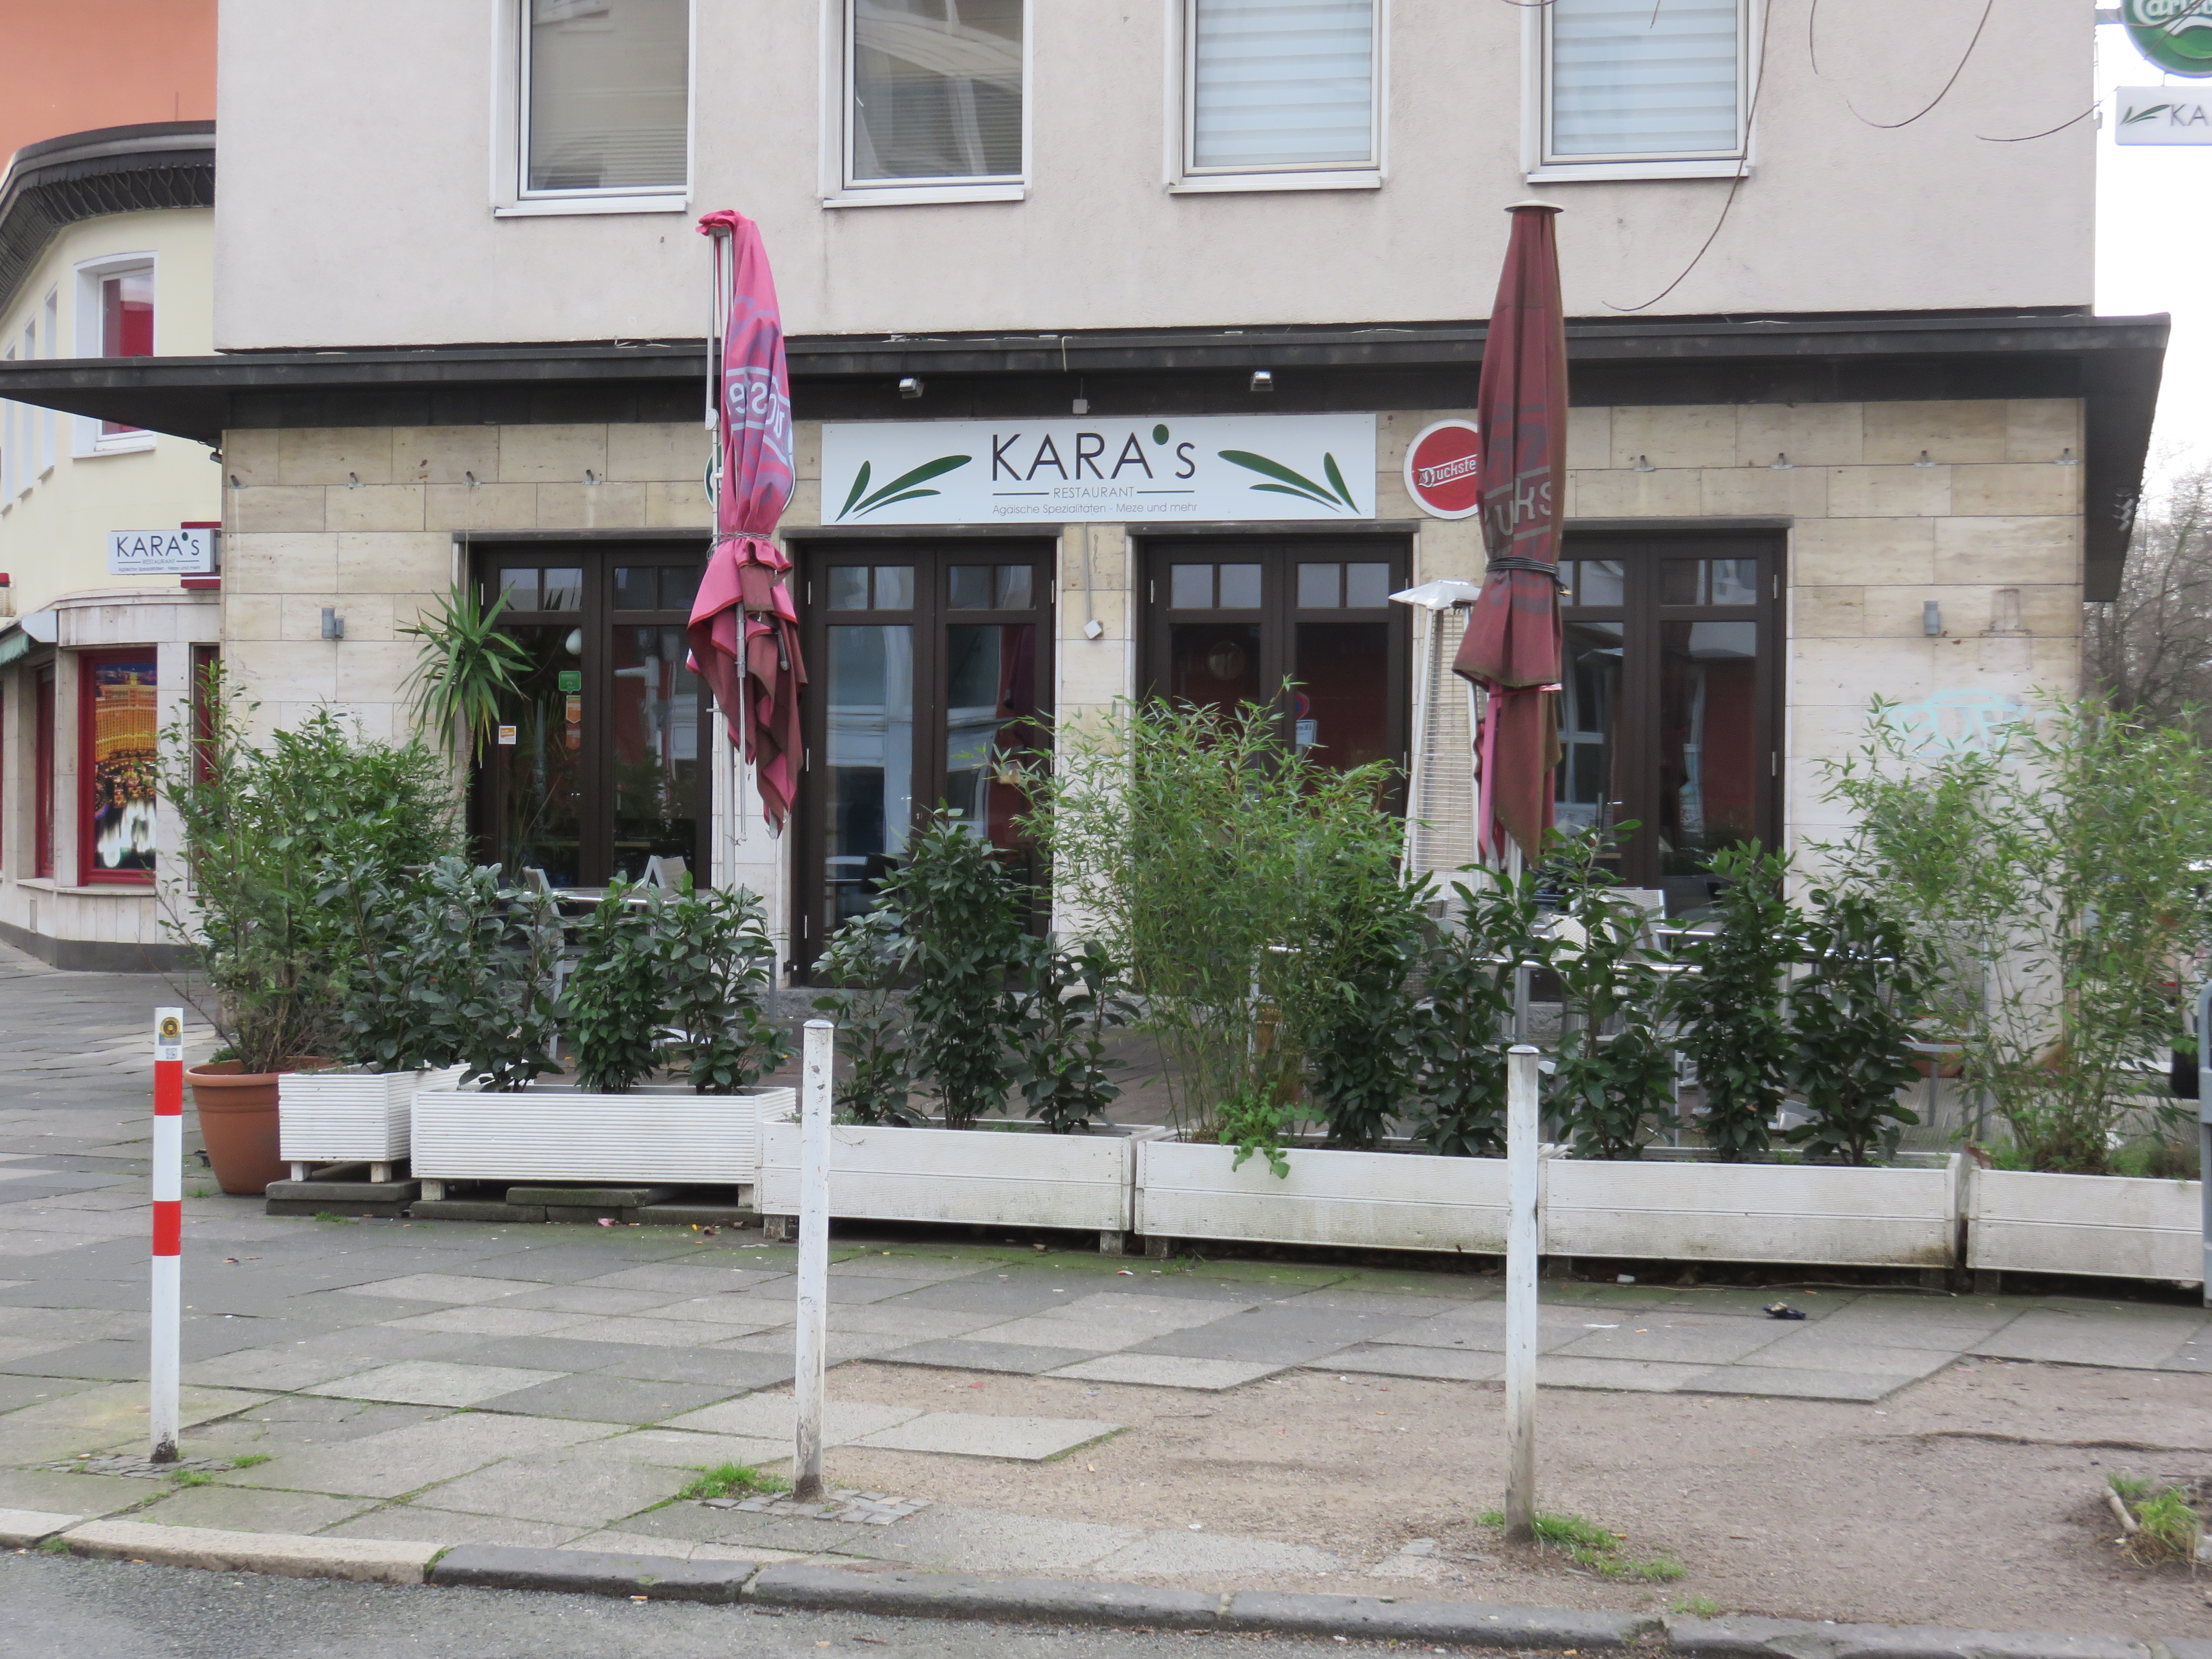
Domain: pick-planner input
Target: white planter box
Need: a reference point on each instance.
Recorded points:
(662, 1132)
(2109, 1226)
(351, 1117)
(1697, 1212)
(1010, 1178)
(1384, 1200)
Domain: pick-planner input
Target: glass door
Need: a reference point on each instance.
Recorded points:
(600, 762)
(930, 671)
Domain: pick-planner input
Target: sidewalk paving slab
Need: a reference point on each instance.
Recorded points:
(595, 1396)
(1861, 1388)
(571, 1490)
(773, 1417)
(972, 1354)
(403, 1460)
(1169, 1371)
(279, 1554)
(432, 1383)
(1171, 1554)
(1442, 1364)
(970, 1434)
(23, 1529)
(247, 1509)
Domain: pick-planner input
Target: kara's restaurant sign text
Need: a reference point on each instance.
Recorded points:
(1193, 469)
(161, 552)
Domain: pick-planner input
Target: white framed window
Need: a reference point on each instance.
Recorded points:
(595, 115)
(50, 318)
(11, 464)
(1625, 89)
(931, 102)
(1276, 94)
(115, 318)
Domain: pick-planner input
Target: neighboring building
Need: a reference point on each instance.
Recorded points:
(1871, 441)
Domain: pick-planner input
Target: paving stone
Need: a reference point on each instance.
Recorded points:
(1444, 1364)
(770, 1417)
(2097, 1338)
(569, 1263)
(453, 1288)
(968, 1434)
(582, 1299)
(551, 1354)
(685, 1449)
(686, 1279)
(915, 1324)
(842, 1345)
(1816, 1348)
(403, 1460)
(1142, 1315)
(1634, 1376)
(1776, 1382)
(1040, 1331)
(596, 1396)
(649, 1333)
(1166, 1554)
(369, 1346)
(1223, 1340)
(415, 1523)
(82, 1494)
(16, 1391)
(1678, 1339)
(1001, 1296)
(965, 1354)
(22, 1529)
(281, 1554)
(271, 1368)
(432, 1383)
(899, 1265)
(986, 1541)
(244, 1509)
(584, 1492)
(730, 1370)
(118, 1410)
(491, 1322)
(1169, 1371)
(730, 1316)
(92, 1361)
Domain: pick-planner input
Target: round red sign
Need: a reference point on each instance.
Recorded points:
(1443, 467)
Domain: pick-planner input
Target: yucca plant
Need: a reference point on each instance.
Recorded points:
(468, 668)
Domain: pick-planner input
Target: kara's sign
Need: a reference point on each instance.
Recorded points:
(1194, 468)
(2174, 34)
(2160, 115)
(1443, 465)
(161, 552)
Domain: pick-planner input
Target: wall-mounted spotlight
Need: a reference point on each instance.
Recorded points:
(910, 386)
(1931, 618)
(333, 624)
(1263, 380)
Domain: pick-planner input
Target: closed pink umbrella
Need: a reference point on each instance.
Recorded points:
(1511, 646)
(744, 628)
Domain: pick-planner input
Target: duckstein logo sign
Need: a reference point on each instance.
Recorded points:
(2162, 115)
(1196, 469)
(2174, 34)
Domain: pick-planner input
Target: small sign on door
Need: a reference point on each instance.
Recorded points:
(507, 735)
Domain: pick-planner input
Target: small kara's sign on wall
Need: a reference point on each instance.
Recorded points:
(161, 552)
(2162, 115)
(1192, 468)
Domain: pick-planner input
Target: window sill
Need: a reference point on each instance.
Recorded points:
(925, 195)
(1223, 184)
(137, 445)
(551, 207)
(102, 888)
(1617, 171)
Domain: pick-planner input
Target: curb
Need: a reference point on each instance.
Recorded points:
(913, 1594)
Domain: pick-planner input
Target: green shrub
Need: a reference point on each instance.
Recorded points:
(861, 959)
(1611, 1086)
(716, 961)
(1067, 1002)
(1851, 1016)
(616, 1002)
(1349, 1004)
(1731, 1007)
(1459, 1029)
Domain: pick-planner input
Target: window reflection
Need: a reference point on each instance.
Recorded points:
(1586, 791)
(656, 722)
(990, 706)
(1708, 741)
(868, 695)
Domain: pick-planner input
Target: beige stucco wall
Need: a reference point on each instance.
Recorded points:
(1872, 535)
(360, 163)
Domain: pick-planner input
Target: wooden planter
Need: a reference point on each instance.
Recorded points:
(1380, 1200)
(2106, 1226)
(351, 1116)
(1680, 1211)
(662, 1133)
(1010, 1176)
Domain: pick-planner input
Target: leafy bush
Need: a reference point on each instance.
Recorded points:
(1068, 1001)
(862, 960)
(492, 970)
(1850, 1018)
(390, 1015)
(716, 959)
(1459, 1029)
(1730, 1008)
(267, 828)
(960, 917)
(616, 1003)
(1610, 1088)
(1349, 1005)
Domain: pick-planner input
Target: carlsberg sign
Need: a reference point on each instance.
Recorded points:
(2174, 34)
(1193, 469)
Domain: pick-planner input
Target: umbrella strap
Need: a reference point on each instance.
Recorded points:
(1539, 567)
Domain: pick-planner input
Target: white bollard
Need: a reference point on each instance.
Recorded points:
(166, 1325)
(806, 1387)
(1523, 1234)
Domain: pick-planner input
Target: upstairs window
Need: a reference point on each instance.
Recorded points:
(1279, 85)
(606, 97)
(933, 93)
(126, 327)
(116, 296)
(1626, 81)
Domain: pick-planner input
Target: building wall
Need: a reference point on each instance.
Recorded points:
(1873, 534)
(342, 191)
(71, 67)
(53, 532)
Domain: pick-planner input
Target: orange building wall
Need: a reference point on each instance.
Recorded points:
(72, 66)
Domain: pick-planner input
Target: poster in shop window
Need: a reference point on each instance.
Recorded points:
(1198, 469)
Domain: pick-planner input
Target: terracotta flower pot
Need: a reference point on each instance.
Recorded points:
(238, 1122)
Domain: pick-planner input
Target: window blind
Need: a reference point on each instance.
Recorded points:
(1282, 83)
(608, 95)
(1644, 77)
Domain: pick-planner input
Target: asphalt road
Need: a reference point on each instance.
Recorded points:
(53, 1607)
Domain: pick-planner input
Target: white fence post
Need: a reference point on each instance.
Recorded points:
(1524, 1236)
(813, 1258)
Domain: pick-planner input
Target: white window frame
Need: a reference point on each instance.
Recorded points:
(511, 196)
(11, 464)
(1536, 115)
(1181, 105)
(50, 316)
(88, 440)
(840, 190)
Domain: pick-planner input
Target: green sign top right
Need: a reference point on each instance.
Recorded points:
(2174, 34)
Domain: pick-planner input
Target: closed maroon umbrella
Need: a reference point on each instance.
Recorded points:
(1511, 648)
(744, 629)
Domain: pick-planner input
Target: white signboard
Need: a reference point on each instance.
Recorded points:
(161, 552)
(2162, 115)
(1191, 468)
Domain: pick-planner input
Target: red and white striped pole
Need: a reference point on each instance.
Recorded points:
(169, 1226)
